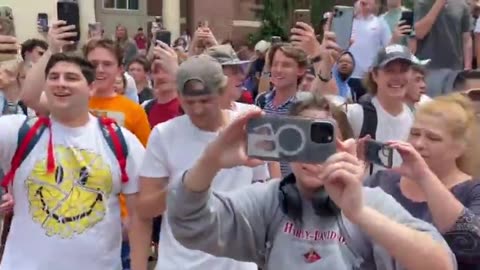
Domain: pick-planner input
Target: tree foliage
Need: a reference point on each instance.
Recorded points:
(275, 16)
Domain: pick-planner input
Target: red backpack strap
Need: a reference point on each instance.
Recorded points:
(112, 132)
(28, 135)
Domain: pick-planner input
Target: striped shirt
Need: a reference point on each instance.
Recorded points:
(281, 110)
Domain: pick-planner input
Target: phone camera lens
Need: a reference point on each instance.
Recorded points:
(322, 133)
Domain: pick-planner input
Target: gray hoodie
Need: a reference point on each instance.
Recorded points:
(248, 225)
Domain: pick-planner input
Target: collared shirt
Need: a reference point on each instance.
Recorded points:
(280, 110)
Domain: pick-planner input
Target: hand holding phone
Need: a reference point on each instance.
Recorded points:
(60, 35)
(69, 13)
(378, 153)
(8, 47)
(166, 59)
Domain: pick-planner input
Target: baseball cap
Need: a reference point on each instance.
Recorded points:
(200, 75)
(225, 55)
(262, 46)
(392, 53)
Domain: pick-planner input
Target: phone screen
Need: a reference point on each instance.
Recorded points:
(407, 17)
(7, 26)
(164, 36)
(69, 12)
(379, 153)
(302, 15)
(42, 21)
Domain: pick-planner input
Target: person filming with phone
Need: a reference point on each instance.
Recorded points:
(438, 180)
(318, 217)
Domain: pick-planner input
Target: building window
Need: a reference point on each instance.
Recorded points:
(121, 4)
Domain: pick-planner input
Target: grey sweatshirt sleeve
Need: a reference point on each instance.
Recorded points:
(387, 205)
(229, 225)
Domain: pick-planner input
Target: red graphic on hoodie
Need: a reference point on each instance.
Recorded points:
(312, 256)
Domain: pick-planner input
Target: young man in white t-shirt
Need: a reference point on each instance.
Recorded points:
(66, 211)
(174, 146)
(370, 33)
(385, 116)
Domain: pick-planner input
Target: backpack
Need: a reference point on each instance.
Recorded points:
(32, 129)
(355, 240)
(370, 119)
(30, 133)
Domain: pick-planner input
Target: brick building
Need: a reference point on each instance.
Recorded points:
(229, 19)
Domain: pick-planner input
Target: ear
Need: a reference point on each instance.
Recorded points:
(301, 72)
(459, 149)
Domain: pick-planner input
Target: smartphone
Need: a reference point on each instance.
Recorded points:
(379, 153)
(342, 24)
(202, 24)
(302, 15)
(276, 40)
(164, 36)
(42, 21)
(7, 28)
(274, 138)
(69, 12)
(95, 29)
(407, 17)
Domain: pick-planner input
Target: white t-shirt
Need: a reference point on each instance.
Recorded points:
(389, 127)
(173, 147)
(243, 107)
(69, 219)
(370, 35)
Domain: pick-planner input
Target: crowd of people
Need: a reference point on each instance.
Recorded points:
(127, 152)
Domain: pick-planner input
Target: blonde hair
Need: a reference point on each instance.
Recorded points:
(458, 113)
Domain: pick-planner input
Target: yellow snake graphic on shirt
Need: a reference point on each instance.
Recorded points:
(72, 199)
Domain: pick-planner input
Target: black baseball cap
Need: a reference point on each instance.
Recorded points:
(394, 52)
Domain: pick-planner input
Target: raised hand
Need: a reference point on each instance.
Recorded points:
(58, 34)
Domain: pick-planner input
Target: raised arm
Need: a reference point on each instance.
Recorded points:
(413, 244)
(32, 92)
(456, 221)
(232, 225)
(425, 17)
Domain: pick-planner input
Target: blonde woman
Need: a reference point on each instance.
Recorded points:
(439, 180)
(128, 45)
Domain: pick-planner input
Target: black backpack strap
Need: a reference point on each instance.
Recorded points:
(148, 107)
(370, 120)
(23, 107)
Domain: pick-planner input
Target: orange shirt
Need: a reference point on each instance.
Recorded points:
(127, 114)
